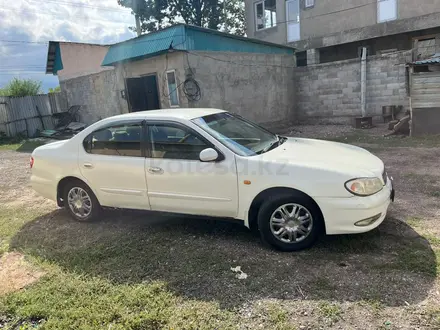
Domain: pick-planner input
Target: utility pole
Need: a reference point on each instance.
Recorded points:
(138, 25)
(135, 6)
(224, 15)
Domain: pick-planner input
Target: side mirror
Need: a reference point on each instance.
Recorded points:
(208, 155)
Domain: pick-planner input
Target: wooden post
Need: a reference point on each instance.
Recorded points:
(415, 50)
(40, 116)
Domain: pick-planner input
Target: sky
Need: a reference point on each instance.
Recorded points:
(27, 25)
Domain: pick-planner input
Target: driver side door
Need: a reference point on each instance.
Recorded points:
(179, 182)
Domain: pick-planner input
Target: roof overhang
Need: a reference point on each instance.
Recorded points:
(433, 60)
(54, 62)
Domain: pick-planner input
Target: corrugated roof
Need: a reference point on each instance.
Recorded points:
(187, 37)
(435, 59)
(146, 45)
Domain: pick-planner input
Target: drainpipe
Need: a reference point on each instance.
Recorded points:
(364, 82)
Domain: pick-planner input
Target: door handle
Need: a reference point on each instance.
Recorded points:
(155, 170)
(88, 165)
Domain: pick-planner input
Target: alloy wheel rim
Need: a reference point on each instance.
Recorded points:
(79, 202)
(291, 223)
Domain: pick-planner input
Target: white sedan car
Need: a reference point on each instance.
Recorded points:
(214, 163)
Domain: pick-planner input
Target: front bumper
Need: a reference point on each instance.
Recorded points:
(341, 214)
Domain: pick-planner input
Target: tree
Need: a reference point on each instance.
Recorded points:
(55, 90)
(212, 14)
(21, 87)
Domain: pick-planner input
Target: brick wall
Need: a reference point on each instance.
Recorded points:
(332, 91)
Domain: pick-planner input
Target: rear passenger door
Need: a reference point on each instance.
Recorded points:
(112, 161)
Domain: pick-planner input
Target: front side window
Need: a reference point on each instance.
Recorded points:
(173, 93)
(174, 142)
(118, 140)
(239, 135)
(265, 14)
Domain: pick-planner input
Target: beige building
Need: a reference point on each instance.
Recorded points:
(72, 59)
(180, 66)
(332, 30)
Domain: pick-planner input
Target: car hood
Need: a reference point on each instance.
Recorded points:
(327, 155)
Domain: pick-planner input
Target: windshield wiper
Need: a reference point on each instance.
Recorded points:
(272, 145)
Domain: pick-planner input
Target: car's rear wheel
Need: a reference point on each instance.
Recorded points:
(290, 222)
(80, 201)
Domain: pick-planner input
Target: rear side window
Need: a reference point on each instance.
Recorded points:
(118, 140)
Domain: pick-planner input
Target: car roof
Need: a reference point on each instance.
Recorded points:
(182, 113)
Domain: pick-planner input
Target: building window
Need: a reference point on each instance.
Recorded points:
(265, 14)
(173, 92)
(309, 3)
(386, 10)
(292, 15)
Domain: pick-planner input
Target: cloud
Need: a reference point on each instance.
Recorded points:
(94, 21)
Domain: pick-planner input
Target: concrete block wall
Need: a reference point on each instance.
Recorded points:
(387, 81)
(97, 94)
(260, 87)
(332, 91)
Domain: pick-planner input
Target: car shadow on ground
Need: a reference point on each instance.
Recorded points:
(194, 256)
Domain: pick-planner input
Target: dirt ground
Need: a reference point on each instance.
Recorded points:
(385, 279)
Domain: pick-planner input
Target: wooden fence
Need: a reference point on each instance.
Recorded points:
(30, 114)
(425, 89)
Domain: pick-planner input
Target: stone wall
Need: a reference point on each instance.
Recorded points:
(97, 94)
(260, 87)
(332, 91)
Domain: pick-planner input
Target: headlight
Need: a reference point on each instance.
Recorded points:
(364, 186)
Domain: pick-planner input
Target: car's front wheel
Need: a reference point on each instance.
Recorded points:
(290, 222)
(80, 201)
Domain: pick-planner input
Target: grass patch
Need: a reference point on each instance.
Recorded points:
(19, 143)
(416, 257)
(432, 239)
(413, 221)
(275, 317)
(23, 146)
(330, 311)
(364, 243)
(11, 220)
(67, 301)
(433, 317)
(322, 284)
(10, 146)
(276, 314)
(375, 305)
(363, 137)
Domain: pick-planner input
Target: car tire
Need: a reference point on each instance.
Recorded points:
(76, 191)
(291, 231)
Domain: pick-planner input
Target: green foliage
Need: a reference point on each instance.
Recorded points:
(21, 87)
(212, 14)
(55, 90)
(331, 311)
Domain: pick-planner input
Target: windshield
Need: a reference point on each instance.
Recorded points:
(239, 135)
